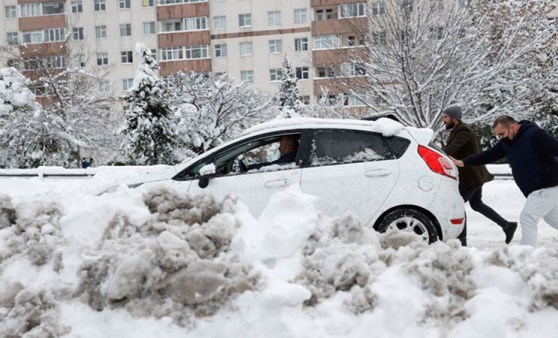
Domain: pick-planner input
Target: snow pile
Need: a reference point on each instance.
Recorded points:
(30, 232)
(172, 264)
(175, 265)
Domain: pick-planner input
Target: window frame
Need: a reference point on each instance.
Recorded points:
(300, 15)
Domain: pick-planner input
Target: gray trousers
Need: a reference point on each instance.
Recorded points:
(543, 204)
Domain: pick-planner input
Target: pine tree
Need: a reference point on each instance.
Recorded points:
(150, 134)
(288, 99)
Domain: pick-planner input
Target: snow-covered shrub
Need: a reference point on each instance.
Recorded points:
(175, 265)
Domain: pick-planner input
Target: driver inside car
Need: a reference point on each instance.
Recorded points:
(288, 147)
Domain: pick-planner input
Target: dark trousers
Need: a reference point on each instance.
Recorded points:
(474, 197)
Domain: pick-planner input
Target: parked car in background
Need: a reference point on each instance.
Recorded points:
(387, 175)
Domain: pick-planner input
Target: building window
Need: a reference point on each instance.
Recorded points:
(168, 2)
(58, 61)
(77, 6)
(195, 24)
(300, 15)
(13, 38)
(247, 76)
(302, 73)
(275, 74)
(326, 41)
(219, 22)
(32, 37)
(220, 51)
(324, 14)
(245, 20)
(154, 53)
(79, 60)
(379, 38)
(11, 12)
(127, 84)
(127, 57)
(301, 44)
(77, 33)
(357, 99)
(102, 59)
(353, 69)
(352, 10)
(100, 32)
(34, 9)
(195, 52)
(172, 25)
(149, 28)
(378, 8)
(275, 46)
(100, 5)
(124, 4)
(326, 71)
(147, 3)
(245, 48)
(104, 86)
(173, 53)
(53, 8)
(305, 99)
(55, 34)
(274, 18)
(126, 29)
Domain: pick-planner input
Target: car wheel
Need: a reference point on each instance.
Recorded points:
(410, 220)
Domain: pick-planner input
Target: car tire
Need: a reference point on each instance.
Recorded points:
(411, 220)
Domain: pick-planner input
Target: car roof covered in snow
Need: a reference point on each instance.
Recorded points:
(385, 126)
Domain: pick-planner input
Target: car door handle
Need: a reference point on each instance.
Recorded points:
(380, 172)
(277, 183)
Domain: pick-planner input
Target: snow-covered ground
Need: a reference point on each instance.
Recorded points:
(133, 264)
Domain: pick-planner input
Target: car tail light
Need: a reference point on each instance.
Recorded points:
(457, 220)
(437, 162)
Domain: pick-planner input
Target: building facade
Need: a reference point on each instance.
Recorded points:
(247, 39)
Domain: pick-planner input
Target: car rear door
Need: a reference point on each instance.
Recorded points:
(351, 171)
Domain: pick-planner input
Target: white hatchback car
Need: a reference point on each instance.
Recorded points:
(387, 175)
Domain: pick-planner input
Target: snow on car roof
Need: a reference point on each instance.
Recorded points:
(385, 126)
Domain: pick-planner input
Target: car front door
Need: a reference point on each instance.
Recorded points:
(350, 171)
(251, 171)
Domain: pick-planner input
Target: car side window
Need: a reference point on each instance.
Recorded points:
(348, 146)
(271, 153)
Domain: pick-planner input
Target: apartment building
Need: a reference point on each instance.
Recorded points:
(247, 39)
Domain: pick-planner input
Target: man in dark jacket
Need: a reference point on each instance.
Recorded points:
(533, 157)
(461, 143)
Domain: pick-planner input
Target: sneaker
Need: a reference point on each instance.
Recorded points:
(509, 231)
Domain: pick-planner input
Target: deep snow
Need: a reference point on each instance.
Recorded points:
(158, 263)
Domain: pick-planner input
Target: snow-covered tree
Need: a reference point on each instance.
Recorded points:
(150, 134)
(212, 109)
(28, 134)
(421, 56)
(288, 98)
(89, 123)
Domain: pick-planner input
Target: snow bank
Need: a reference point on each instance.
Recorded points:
(171, 264)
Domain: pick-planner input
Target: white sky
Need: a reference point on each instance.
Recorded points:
(485, 290)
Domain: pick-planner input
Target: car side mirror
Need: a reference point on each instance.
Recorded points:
(206, 172)
(203, 182)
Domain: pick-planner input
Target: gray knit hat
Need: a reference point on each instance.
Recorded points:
(453, 111)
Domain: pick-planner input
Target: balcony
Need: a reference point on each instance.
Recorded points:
(33, 23)
(339, 26)
(180, 11)
(176, 39)
(173, 67)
